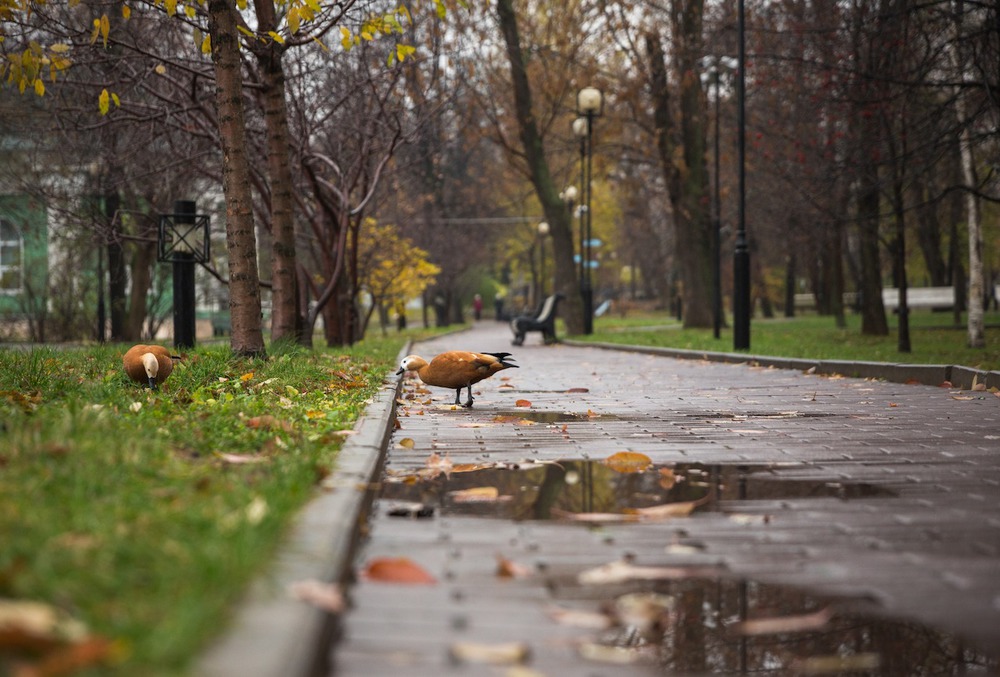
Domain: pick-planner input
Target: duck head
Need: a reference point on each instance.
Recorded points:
(152, 368)
(411, 363)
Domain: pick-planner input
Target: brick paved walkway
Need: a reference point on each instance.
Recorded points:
(883, 493)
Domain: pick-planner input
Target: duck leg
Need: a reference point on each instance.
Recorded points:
(468, 402)
(458, 396)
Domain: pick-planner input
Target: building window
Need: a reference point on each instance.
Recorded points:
(11, 257)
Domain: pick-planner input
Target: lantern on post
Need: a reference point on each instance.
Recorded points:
(184, 240)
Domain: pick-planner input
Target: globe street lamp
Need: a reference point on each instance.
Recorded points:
(568, 195)
(543, 232)
(589, 104)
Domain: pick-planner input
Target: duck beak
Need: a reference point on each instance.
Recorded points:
(152, 383)
(401, 370)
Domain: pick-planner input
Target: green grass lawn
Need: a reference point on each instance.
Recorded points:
(144, 515)
(933, 337)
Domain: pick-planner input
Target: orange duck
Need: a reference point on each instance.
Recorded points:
(456, 369)
(149, 365)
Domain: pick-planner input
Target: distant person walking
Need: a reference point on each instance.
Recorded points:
(477, 307)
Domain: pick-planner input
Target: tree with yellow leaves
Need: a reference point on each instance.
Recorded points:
(391, 269)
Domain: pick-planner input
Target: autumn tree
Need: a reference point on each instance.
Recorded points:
(391, 270)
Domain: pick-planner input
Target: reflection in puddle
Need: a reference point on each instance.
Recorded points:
(713, 626)
(689, 620)
(542, 491)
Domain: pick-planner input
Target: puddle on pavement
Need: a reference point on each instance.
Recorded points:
(721, 626)
(551, 490)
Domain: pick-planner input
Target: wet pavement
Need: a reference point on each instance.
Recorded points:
(759, 520)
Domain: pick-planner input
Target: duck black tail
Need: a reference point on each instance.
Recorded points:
(503, 357)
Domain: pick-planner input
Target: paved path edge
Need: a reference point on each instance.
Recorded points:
(272, 634)
(925, 374)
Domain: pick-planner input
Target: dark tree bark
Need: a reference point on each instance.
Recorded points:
(241, 241)
(286, 323)
(682, 153)
(556, 211)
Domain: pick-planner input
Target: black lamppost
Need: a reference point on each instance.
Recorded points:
(184, 240)
(589, 104)
(543, 232)
(741, 254)
(716, 64)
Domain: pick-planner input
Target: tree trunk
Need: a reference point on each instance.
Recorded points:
(142, 263)
(555, 210)
(685, 168)
(117, 278)
(241, 241)
(285, 320)
(976, 326)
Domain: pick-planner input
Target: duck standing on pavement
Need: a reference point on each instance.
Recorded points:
(456, 369)
(149, 365)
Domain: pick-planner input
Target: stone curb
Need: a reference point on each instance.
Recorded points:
(925, 374)
(273, 634)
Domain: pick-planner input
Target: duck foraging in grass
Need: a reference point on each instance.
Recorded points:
(149, 365)
(456, 369)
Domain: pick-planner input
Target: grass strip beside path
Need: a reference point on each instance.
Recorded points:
(933, 338)
(145, 515)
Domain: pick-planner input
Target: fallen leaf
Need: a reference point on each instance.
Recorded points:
(507, 568)
(397, 570)
(256, 510)
(668, 510)
(71, 658)
(576, 618)
(592, 414)
(643, 610)
(667, 478)
(628, 462)
(506, 653)
(622, 572)
(780, 625)
(241, 459)
(523, 403)
(269, 422)
(472, 467)
(439, 464)
(407, 443)
(954, 397)
(37, 623)
(327, 596)
(578, 390)
(477, 495)
(595, 517)
(617, 655)
(979, 387)
(835, 665)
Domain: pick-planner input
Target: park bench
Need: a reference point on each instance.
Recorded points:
(935, 298)
(544, 321)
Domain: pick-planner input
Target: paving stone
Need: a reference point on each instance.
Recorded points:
(886, 492)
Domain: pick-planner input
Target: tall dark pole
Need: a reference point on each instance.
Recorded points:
(741, 255)
(583, 201)
(184, 324)
(717, 229)
(587, 291)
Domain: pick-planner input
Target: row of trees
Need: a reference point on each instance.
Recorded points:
(871, 128)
